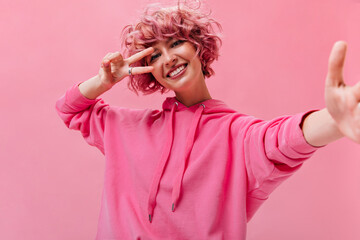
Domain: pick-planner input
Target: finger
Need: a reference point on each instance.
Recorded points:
(336, 64)
(106, 67)
(141, 70)
(356, 91)
(106, 60)
(110, 57)
(107, 57)
(105, 64)
(115, 57)
(137, 56)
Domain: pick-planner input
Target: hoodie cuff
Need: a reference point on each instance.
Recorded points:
(75, 99)
(296, 138)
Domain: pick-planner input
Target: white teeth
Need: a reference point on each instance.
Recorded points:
(176, 71)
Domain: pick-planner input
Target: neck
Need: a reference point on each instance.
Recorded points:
(191, 98)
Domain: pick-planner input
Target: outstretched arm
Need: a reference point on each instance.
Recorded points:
(341, 117)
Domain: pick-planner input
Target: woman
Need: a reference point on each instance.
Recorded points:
(196, 169)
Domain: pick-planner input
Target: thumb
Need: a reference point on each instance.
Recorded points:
(336, 64)
(356, 91)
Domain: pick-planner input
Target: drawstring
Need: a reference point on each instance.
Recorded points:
(188, 147)
(165, 156)
(160, 168)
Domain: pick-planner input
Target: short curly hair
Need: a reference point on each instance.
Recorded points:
(180, 22)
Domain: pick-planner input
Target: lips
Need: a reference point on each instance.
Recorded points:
(175, 67)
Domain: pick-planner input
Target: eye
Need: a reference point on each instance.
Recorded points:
(177, 42)
(153, 57)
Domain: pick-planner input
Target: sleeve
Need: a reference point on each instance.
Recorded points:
(273, 151)
(83, 114)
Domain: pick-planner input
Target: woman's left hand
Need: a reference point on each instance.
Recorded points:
(342, 101)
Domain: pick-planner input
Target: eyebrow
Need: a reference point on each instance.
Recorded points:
(167, 41)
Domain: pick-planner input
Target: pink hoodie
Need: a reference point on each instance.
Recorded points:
(198, 172)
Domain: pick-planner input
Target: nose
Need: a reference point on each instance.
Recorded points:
(170, 59)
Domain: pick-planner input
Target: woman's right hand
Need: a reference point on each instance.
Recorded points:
(114, 67)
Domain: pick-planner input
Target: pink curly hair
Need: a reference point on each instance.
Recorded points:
(180, 22)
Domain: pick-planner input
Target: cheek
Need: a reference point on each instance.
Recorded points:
(157, 73)
(197, 65)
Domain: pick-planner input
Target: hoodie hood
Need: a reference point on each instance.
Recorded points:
(211, 106)
(172, 105)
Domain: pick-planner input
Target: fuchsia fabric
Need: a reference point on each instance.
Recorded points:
(198, 172)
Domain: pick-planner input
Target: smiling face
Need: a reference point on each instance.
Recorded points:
(176, 66)
(180, 21)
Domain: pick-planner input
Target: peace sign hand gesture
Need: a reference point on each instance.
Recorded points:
(342, 101)
(114, 68)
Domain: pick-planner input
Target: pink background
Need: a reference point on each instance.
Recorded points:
(273, 62)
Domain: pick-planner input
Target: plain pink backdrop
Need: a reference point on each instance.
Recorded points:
(273, 62)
